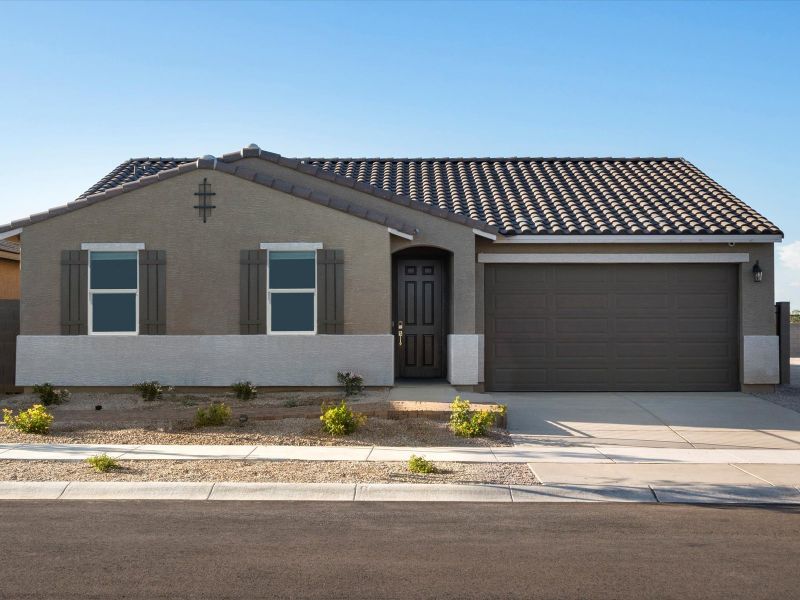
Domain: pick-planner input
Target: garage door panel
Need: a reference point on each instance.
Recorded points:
(582, 349)
(519, 304)
(642, 349)
(612, 327)
(598, 376)
(581, 326)
(579, 277)
(704, 350)
(592, 302)
(521, 326)
(697, 326)
(646, 326)
(642, 301)
(520, 351)
(636, 276)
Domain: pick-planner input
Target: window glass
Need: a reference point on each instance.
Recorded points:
(113, 313)
(292, 270)
(113, 270)
(292, 311)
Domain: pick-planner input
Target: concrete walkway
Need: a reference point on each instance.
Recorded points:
(379, 492)
(528, 453)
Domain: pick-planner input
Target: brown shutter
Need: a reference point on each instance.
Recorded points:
(74, 292)
(330, 291)
(152, 292)
(253, 292)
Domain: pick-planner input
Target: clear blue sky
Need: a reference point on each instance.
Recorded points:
(86, 86)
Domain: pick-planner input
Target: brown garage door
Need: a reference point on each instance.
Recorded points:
(611, 327)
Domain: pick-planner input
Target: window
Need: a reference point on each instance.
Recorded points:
(113, 292)
(292, 291)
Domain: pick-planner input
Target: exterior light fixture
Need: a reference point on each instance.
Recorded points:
(758, 274)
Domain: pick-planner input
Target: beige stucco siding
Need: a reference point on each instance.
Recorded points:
(203, 259)
(433, 231)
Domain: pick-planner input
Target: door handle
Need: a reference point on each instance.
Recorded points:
(399, 333)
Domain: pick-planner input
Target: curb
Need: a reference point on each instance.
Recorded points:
(389, 492)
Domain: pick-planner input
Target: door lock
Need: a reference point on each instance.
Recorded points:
(399, 333)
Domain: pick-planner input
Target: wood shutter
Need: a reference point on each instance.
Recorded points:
(253, 292)
(152, 292)
(330, 291)
(74, 292)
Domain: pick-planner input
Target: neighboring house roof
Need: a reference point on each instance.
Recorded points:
(6, 246)
(573, 196)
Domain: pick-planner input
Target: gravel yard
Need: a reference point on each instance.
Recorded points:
(293, 432)
(263, 471)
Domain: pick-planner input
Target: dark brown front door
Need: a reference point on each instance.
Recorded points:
(419, 325)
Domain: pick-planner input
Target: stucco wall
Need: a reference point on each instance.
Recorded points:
(433, 231)
(203, 259)
(9, 279)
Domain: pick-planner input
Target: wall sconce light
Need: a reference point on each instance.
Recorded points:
(758, 274)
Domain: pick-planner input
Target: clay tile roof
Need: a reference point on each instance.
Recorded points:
(564, 195)
(572, 196)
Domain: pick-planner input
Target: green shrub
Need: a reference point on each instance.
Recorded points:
(217, 414)
(419, 464)
(34, 420)
(340, 420)
(244, 390)
(151, 390)
(472, 423)
(103, 463)
(49, 395)
(352, 382)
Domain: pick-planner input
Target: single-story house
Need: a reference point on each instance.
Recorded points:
(504, 274)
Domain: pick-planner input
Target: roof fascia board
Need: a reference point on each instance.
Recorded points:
(642, 239)
(594, 258)
(349, 182)
(10, 233)
(406, 236)
(488, 236)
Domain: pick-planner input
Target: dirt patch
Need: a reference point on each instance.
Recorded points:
(264, 471)
(293, 432)
(81, 401)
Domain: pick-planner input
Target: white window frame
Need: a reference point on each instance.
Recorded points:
(291, 247)
(91, 292)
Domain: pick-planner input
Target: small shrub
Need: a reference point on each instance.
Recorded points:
(103, 463)
(419, 464)
(340, 420)
(353, 383)
(217, 414)
(49, 395)
(151, 390)
(471, 423)
(34, 420)
(244, 390)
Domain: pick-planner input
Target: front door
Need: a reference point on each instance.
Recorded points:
(419, 324)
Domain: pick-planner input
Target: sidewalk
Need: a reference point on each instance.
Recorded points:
(529, 453)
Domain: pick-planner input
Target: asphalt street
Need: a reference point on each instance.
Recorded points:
(170, 549)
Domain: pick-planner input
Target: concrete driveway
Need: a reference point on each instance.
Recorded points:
(670, 420)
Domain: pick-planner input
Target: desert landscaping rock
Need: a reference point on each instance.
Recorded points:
(267, 471)
(291, 432)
